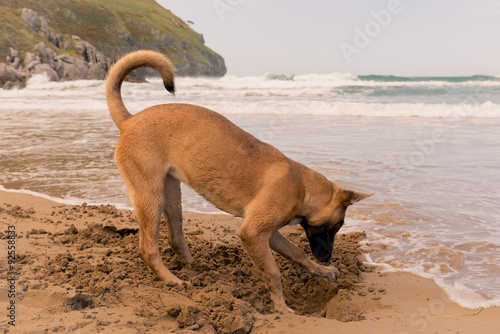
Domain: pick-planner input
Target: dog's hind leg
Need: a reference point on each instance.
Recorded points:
(173, 214)
(146, 188)
(148, 208)
(283, 246)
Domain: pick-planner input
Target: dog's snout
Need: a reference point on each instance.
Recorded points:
(322, 245)
(322, 250)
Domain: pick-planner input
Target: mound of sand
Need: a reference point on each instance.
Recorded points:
(78, 270)
(87, 259)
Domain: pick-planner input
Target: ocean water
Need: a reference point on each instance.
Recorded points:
(428, 147)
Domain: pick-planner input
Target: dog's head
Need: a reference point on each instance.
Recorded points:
(322, 227)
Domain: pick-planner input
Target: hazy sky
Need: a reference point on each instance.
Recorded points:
(400, 37)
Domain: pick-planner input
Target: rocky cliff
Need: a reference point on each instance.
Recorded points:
(80, 39)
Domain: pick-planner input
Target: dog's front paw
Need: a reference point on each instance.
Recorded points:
(331, 273)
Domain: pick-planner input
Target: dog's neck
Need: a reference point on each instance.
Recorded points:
(318, 192)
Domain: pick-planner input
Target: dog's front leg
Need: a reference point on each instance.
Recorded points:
(256, 243)
(283, 246)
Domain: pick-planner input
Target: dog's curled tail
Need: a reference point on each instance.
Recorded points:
(123, 67)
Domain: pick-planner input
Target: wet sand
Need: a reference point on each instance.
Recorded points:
(77, 270)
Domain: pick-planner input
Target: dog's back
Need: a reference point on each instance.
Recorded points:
(196, 145)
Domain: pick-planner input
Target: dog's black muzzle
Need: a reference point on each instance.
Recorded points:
(321, 243)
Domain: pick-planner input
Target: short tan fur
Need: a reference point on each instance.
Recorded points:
(164, 145)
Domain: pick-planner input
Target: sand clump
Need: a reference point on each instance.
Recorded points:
(92, 257)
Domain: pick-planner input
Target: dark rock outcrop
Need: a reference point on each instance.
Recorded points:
(62, 55)
(91, 64)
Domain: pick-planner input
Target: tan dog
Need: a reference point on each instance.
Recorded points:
(164, 145)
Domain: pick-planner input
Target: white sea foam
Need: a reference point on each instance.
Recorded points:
(305, 95)
(66, 200)
(455, 291)
(352, 109)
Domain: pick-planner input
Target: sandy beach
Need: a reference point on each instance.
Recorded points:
(77, 270)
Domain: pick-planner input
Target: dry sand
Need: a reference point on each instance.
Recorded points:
(77, 270)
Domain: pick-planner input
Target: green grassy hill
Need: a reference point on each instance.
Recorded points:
(114, 27)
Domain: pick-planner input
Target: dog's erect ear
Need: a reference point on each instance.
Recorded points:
(352, 197)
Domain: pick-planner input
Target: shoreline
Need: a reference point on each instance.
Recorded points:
(96, 281)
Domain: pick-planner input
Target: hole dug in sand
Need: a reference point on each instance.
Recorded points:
(101, 268)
